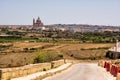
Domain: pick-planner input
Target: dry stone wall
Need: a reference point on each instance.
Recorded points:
(8, 73)
(118, 76)
(101, 63)
(55, 64)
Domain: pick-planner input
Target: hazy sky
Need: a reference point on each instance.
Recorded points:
(102, 12)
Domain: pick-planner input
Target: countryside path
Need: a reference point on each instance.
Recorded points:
(82, 71)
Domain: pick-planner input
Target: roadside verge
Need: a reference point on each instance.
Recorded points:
(41, 75)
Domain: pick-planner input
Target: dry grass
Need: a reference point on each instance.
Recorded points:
(22, 45)
(80, 46)
(75, 50)
(16, 59)
(18, 47)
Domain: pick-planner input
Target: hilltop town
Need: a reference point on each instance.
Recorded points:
(38, 25)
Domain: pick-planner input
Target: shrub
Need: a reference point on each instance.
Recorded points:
(25, 49)
(44, 69)
(82, 49)
(60, 55)
(47, 56)
(33, 48)
(71, 55)
(9, 65)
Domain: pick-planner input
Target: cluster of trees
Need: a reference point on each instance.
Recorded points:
(95, 37)
(16, 33)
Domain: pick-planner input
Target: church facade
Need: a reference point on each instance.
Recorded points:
(37, 23)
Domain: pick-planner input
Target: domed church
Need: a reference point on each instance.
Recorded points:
(37, 23)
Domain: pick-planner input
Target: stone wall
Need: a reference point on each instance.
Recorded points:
(118, 76)
(101, 63)
(8, 73)
(57, 63)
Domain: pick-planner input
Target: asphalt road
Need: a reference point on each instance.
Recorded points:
(81, 71)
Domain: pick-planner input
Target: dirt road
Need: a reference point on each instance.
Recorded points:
(82, 71)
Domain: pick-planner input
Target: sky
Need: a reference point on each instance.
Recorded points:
(95, 12)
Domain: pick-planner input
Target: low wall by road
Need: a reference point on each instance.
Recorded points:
(55, 64)
(8, 73)
(118, 76)
(101, 63)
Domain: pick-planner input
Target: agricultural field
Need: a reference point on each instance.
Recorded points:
(83, 51)
(24, 52)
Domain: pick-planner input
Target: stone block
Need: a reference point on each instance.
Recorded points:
(118, 76)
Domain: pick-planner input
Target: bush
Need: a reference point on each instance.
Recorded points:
(95, 48)
(25, 49)
(47, 56)
(82, 49)
(60, 55)
(44, 69)
(33, 49)
(9, 65)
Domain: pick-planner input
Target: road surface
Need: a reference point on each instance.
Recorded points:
(82, 71)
